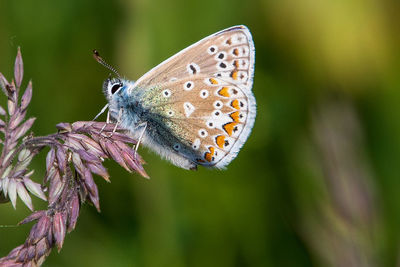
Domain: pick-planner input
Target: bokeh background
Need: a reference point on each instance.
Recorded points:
(317, 183)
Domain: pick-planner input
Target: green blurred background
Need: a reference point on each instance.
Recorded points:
(316, 184)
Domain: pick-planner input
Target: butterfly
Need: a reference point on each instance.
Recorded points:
(195, 108)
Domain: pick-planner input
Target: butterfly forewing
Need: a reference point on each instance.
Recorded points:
(221, 53)
(203, 95)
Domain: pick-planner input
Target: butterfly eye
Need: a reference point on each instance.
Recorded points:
(115, 88)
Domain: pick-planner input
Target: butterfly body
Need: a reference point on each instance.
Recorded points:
(195, 108)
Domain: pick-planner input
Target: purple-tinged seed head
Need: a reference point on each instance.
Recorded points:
(27, 96)
(59, 229)
(18, 68)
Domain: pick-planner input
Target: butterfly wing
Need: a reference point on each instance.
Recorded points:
(203, 96)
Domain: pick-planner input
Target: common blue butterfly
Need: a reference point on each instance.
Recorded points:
(195, 108)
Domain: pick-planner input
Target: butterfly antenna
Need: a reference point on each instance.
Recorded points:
(99, 59)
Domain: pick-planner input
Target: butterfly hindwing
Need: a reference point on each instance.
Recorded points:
(202, 96)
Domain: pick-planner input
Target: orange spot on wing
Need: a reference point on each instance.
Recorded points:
(236, 64)
(220, 140)
(224, 92)
(234, 75)
(235, 104)
(229, 127)
(236, 52)
(235, 116)
(213, 81)
(209, 155)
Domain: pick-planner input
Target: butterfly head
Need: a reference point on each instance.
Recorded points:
(112, 87)
(115, 92)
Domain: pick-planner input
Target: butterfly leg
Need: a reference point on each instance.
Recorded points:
(101, 112)
(118, 121)
(107, 122)
(144, 125)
